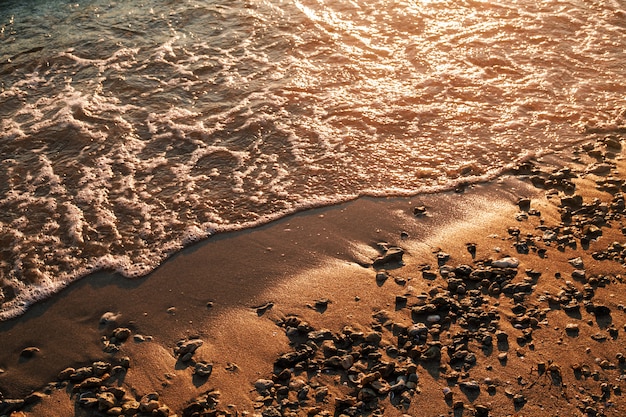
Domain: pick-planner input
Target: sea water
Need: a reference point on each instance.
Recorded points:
(131, 128)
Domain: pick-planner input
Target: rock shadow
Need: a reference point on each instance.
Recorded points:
(503, 345)
(198, 380)
(264, 308)
(471, 393)
(604, 321)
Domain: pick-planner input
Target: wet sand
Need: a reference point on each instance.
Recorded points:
(310, 283)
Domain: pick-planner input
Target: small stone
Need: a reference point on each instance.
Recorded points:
(513, 231)
(391, 255)
(481, 410)
(106, 400)
(519, 399)
(130, 407)
(115, 411)
(81, 374)
(507, 262)
(419, 210)
(100, 368)
(87, 400)
(577, 263)
(347, 361)
(401, 301)
(470, 386)
(203, 369)
(29, 352)
(433, 318)
(322, 303)
(33, 398)
(442, 258)
(89, 383)
(381, 277)
(186, 349)
(149, 403)
(263, 385)
(125, 362)
(320, 394)
(121, 334)
(400, 281)
(471, 248)
(373, 338)
(599, 337)
(108, 318)
(65, 374)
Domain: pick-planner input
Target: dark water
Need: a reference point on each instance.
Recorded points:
(130, 129)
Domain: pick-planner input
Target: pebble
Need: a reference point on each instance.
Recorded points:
(263, 385)
(322, 302)
(138, 338)
(577, 262)
(507, 262)
(391, 255)
(433, 318)
(109, 317)
(203, 369)
(186, 348)
(519, 399)
(471, 248)
(29, 352)
(419, 210)
(121, 334)
(470, 386)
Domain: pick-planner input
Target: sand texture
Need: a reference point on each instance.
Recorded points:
(498, 299)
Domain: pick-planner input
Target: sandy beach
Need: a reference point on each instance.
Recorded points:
(497, 299)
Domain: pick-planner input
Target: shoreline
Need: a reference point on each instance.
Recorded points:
(241, 294)
(20, 303)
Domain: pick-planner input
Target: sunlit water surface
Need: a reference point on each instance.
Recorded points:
(132, 128)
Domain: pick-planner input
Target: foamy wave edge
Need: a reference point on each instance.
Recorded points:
(126, 268)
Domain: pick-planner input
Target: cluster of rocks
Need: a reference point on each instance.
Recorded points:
(96, 390)
(381, 362)
(455, 322)
(184, 351)
(369, 371)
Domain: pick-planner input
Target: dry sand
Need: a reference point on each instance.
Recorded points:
(244, 294)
